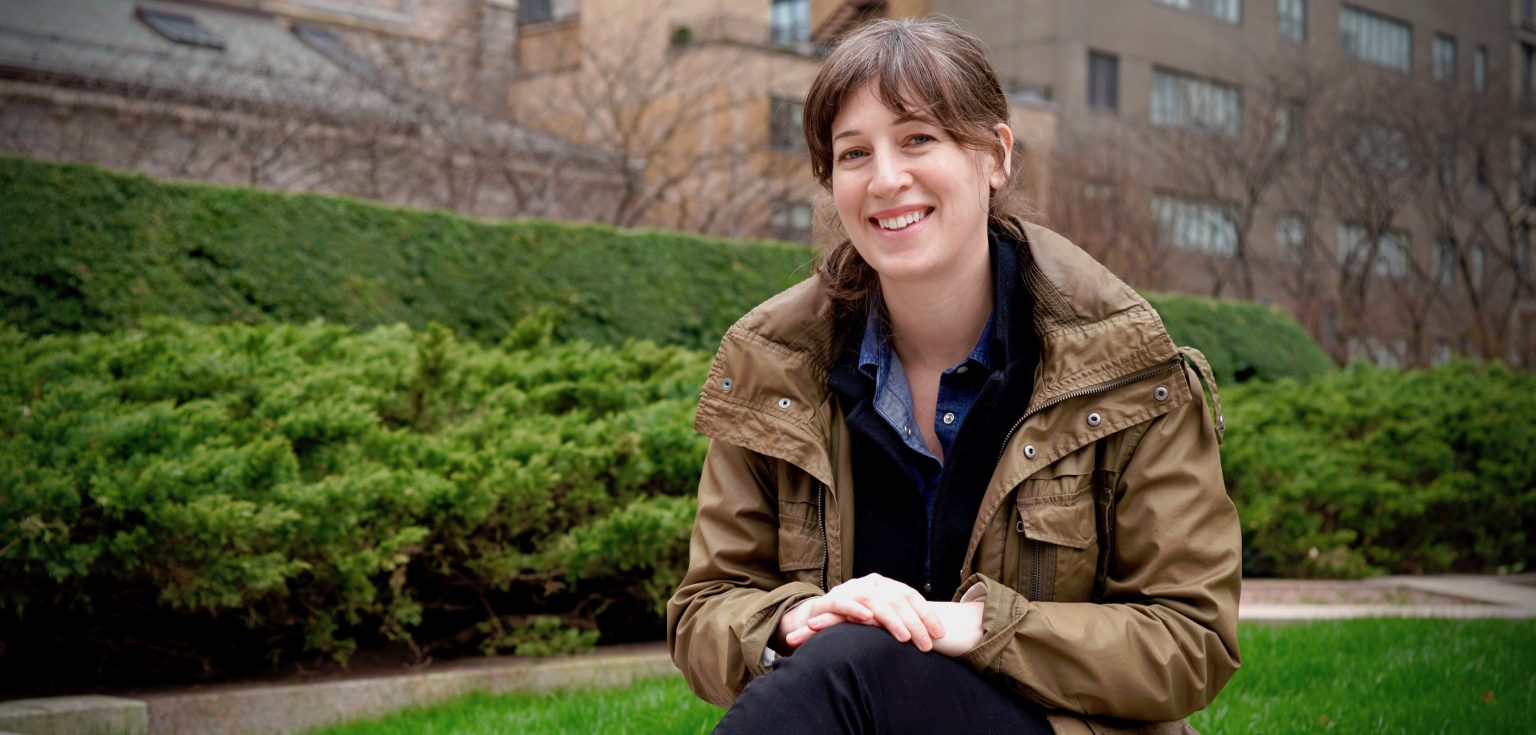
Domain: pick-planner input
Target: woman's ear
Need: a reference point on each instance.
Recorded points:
(999, 175)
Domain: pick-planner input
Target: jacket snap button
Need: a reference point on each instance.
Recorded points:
(1029, 451)
(1160, 393)
(1094, 419)
(726, 384)
(784, 403)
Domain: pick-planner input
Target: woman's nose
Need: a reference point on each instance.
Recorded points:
(890, 177)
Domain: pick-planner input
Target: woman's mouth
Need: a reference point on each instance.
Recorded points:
(901, 221)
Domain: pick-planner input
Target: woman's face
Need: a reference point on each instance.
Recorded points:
(912, 199)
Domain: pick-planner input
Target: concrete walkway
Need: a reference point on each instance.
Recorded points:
(292, 708)
(1450, 596)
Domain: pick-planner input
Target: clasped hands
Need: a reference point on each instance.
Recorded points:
(950, 628)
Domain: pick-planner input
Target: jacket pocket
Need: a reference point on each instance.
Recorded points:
(1059, 543)
(801, 549)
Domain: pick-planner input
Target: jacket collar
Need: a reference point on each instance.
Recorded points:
(767, 387)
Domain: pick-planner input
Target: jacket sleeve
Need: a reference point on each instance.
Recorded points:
(724, 612)
(1164, 640)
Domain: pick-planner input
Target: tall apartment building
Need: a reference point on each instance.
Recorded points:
(1366, 164)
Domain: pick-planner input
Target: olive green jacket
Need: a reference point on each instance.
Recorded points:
(1107, 547)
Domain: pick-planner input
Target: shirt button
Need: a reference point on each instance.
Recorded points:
(949, 418)
(907, 429)
(961, 370)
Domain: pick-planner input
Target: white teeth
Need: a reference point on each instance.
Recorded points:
(896, 223)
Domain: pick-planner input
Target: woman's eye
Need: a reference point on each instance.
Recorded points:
(850, 155)
(921, 138)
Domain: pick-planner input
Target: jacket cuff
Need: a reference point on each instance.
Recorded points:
(1002, 609)
(758, 631)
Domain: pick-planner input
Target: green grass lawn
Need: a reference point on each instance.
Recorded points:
(1376, 676)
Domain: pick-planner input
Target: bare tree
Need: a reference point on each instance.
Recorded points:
(1098, 201)
(1241, 165)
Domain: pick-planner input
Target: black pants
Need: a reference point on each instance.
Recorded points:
(858, 679)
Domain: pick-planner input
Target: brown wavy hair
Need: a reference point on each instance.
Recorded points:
(929, 67)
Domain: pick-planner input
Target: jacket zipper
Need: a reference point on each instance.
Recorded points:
(821, 522)
(1090, 390)
(1036, 589)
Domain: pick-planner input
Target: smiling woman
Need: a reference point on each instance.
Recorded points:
(1043, 536)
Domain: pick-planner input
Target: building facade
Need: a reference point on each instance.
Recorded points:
(1369, 165)
(1365, 164)
(396, 100)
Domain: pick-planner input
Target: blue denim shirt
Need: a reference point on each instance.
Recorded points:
(959, 387)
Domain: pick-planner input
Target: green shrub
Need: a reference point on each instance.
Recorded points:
(1369, 470)
(89, 250)
(307, 487)
(1243, 341)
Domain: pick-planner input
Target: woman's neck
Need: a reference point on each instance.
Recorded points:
(935, 325)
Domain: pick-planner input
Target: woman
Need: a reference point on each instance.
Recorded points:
(960, 480)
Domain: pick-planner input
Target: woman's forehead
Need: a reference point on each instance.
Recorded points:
(903, 102)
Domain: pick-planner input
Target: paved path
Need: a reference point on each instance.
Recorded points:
(1450, 596)
(289, 708)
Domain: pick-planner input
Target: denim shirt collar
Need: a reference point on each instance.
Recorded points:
(893, 393)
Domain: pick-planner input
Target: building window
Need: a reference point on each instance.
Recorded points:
(1201, 226)
(1450, 264)
(1183, 101)
(1103, 81)
(1391, 257)
(332, 48)
(535, 11)
(1094, 191)
(1376, 38)
(1380, 147)
(1230, 11)
(1291, 238)
(1444, 57)
(1445, 163)
(789, 22)
(1480, 68)
(1527, 57)
(791, 221)
(785, 131)
(178, 28)
(1293, 20)
(1287, 115)
(542, 11)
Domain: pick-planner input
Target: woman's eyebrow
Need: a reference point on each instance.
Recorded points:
(902, 120)
(914, 116)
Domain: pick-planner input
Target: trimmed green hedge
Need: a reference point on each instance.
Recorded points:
(90, 250)
(240, 494)
(1370, 471)
(1243, 341)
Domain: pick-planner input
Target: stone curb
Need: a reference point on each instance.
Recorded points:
(296, 708)
(83, 715)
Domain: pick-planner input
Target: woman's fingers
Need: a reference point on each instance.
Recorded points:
(927, 613)
(904, 623)
(847, 607)
(870, 600)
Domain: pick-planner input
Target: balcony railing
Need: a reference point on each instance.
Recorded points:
(743, 30)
